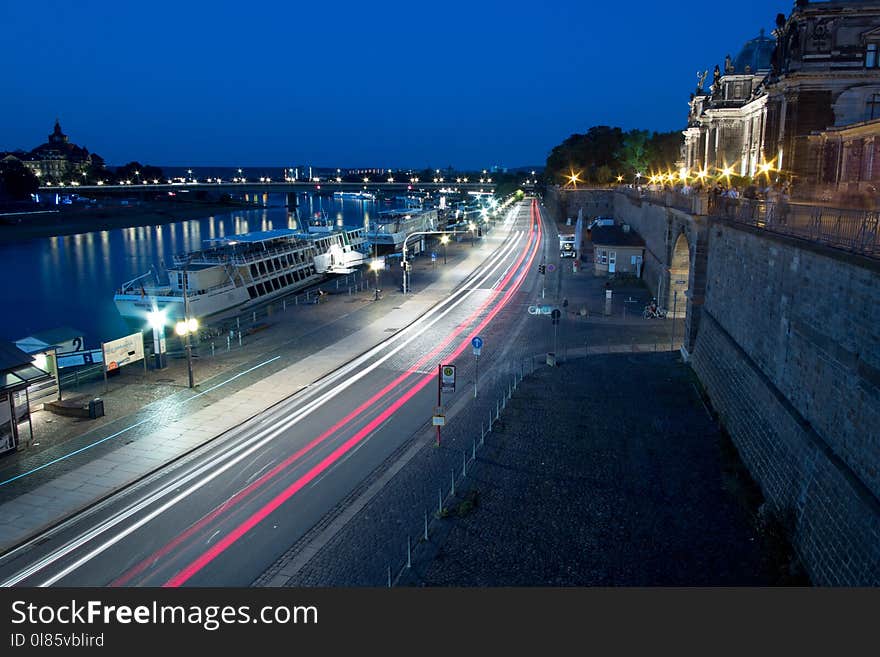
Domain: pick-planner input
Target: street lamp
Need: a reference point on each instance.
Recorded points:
(376, 265)
(156, 319)
(444, 240)
(187, 326)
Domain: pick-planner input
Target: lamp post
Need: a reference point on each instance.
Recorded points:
(156, 319)
(376, 265)
(403, 251)
(186, 327)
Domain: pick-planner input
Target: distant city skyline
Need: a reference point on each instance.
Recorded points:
(470, 86)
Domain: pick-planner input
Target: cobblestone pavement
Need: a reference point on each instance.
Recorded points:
(624, 484)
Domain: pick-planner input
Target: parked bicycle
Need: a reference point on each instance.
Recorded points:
(653, 311)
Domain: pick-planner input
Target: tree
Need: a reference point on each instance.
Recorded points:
(633, 154)
(584, 154)
(664, 150)
(604, 175)
(596, 155)
(17, 182)
(137, 172)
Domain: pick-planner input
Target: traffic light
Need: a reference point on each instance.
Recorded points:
(542, 269)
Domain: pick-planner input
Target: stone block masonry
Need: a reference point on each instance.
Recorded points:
(562, 203)
(789, 351)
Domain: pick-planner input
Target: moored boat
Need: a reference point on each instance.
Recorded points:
(242, 270)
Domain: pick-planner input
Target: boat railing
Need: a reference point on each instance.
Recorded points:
(128, 285)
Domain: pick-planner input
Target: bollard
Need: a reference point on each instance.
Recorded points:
(482, 433)
(497, 411)
(490, 421)
(474, 450)
(284, 304)
(296, 300)
(228, 346)
(337, 283)
(453, 482)
(439, 502)
(464, 464)
(212, 350)
(389, 577)
(239, 338)
(426, 526)
(408, 552)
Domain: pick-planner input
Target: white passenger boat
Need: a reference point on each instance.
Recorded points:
(242, 270)
(392, 227)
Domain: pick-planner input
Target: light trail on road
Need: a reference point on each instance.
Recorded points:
(311, 399)
(218, 548)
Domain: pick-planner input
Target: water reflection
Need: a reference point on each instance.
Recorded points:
(70, 280)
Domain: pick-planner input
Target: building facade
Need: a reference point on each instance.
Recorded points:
(58, 160)
(766, 111)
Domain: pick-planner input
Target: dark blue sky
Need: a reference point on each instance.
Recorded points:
(392, 84)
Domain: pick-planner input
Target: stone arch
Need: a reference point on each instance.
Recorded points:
(679, 276)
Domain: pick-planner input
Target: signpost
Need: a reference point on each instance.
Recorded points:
(445, 383)
(556, 314)
(477, 344)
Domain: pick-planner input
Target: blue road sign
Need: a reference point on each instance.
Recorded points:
(477, 342)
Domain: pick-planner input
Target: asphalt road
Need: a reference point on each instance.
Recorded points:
(224, 514)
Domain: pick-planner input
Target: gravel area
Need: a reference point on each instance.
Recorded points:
(622, 479)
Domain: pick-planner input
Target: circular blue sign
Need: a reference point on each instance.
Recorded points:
(477, 342)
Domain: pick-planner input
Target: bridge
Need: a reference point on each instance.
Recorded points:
(267, 187)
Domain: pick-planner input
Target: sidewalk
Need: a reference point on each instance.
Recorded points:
(38, 490)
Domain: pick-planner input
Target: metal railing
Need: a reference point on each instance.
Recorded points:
(679, 200)
(849, 229)
(852, 230)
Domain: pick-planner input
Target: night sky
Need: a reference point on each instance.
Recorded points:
(386, 84)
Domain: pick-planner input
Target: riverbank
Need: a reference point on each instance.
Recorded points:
(70, 220)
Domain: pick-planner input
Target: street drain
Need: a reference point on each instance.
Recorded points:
(391, 330)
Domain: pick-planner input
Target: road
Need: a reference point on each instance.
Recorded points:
(224, 514)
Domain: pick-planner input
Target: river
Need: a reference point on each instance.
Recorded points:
(70, 280)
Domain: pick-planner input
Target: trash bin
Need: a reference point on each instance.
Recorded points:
(96, 408)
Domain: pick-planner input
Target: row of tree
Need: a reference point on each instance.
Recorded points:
(603, 153)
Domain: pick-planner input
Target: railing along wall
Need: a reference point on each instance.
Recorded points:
(849, 229)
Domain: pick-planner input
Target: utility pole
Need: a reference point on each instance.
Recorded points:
(189, 366)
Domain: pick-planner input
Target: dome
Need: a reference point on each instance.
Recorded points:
(756, 54)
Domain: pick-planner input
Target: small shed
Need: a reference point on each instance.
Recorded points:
(17, 373)
(617, 249)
